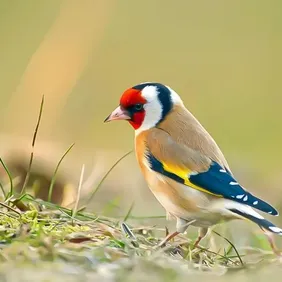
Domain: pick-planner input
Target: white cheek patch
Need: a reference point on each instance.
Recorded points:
(150, 93)
(153, 109)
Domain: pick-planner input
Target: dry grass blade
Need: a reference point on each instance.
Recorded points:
(11, 192)
(9, 215)
(125, 228)
(105, 176)
(147, 217)
(33, 145)
(129, 234)
(10, 208)
(3, 190)
(56, 171)
(227, 240)
(78, 191)
(129, 212)
(216, 254)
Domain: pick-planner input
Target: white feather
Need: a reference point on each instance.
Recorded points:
(242, 208)
(153, 109)
(176, 100)
(275, 229)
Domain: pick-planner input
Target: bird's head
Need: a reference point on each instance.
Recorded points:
(145, 105)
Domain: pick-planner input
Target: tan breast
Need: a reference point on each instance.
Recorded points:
(168, 192)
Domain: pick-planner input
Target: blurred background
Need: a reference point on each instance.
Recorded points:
(222, 57)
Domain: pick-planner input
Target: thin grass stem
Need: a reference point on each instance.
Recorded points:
(55, 173)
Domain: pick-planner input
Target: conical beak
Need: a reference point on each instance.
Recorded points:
(118, 114)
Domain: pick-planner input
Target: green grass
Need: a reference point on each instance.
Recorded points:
(47, 237)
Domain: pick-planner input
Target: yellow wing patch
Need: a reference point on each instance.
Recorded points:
(184, 174)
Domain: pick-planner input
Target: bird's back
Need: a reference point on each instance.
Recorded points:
(185, 129)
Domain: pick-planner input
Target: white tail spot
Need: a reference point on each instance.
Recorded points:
(245, 198)
(233, 183)
(222, 170)
(240, 196)
(255, 202)
(275, 229)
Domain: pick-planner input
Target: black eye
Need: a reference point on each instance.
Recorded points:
(138, 107)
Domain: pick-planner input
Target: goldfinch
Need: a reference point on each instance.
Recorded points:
(182, 164)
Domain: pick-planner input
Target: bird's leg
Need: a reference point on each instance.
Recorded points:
(202, 233)
(270, 239)
(181, 226)
(167, 238)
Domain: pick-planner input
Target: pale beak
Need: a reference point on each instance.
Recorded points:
(118, 114)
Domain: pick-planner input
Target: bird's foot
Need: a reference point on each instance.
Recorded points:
(202, 234)
(166, 239)
(270, 239)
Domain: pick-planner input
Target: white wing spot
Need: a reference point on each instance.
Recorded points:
(245, 198)
(240, 196)
(270, 212)
(233, 183)
(222, 170)
(275, 229)
(255, 202)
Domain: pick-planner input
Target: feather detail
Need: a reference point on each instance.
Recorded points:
(216, 181)
(180, 176)
(259, 220)
(219, 181)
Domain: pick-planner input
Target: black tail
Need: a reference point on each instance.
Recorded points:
(262, 222)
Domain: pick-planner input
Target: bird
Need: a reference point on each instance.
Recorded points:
(184, 167)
